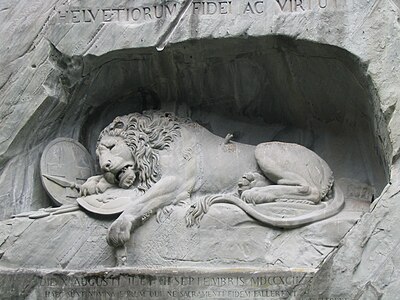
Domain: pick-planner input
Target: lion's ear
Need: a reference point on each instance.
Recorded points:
(119, 125)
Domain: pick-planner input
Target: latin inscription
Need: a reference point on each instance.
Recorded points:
(211, 7)
(132, 286)
(303, 5)
(107, 15)
(168, 10)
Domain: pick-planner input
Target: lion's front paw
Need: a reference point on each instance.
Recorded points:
(88, 188)
(95, 185)
(102, 186)
(120, 231)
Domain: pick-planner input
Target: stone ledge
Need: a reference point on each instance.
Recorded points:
(163, 283)
(226, 237)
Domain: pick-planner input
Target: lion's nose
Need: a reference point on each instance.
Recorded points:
(107, 166)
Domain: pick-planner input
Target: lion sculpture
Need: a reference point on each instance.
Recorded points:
(173, 160)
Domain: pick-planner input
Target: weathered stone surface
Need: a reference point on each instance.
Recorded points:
(226, 238)
(156, 284)
(328, 75)
(274, 64)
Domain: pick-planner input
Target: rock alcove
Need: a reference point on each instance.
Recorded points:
(259, 89)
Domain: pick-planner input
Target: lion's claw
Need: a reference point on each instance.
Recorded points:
(119, 232)
(248, 197)
(87, 189)
(94, 185)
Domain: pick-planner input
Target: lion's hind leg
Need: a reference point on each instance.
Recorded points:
(284, 165)
(251, 180)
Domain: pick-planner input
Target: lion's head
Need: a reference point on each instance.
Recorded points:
(128, 148)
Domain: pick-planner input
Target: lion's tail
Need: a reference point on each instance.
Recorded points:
(198, 210)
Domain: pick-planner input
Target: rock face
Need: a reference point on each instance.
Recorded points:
(323, 74)
(226, 238)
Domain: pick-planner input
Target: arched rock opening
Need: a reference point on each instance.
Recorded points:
(259, 89)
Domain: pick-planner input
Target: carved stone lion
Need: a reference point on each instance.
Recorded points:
(172, 160)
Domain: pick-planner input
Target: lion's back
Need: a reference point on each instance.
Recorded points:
(220, 164)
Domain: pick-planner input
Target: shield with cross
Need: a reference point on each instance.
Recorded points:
(65, 164)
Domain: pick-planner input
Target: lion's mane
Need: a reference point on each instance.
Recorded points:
(145, 134)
